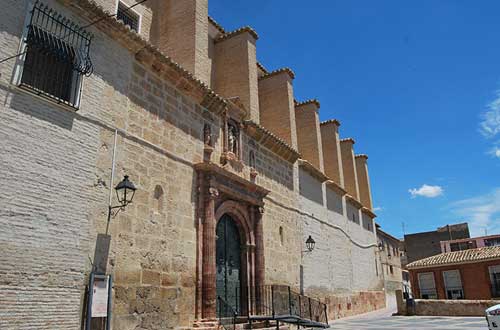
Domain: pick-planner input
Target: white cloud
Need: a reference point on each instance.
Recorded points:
(490, 124)
(482, 212)
(495, 152)
(426, 191)
(378, 209)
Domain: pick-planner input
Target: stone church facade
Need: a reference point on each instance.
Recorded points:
(216, 145)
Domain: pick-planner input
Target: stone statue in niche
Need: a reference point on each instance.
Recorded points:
(207, 135)
(232, 139)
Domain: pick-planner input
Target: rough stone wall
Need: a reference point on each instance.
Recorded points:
(340, 306)
(154, 247)
(58, 177)
(281, 247)
(430, 307)
(48, 157)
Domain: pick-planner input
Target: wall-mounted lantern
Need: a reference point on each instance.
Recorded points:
(310, 243)
(125, 191)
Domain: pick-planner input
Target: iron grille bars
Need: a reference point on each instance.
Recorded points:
(128, 17)
(56, 56)
(56, 34)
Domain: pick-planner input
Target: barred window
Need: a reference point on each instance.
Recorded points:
(55, 56)
(128, 16)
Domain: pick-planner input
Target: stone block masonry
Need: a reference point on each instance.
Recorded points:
(55, 165)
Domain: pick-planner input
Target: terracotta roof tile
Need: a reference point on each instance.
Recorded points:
(330, 121)
(241, 30)
(310, 101)
(217, 25)
(348, 140)
(278, 71)
(458, 257)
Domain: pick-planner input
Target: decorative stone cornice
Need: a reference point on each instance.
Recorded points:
(217, 25)
(361, 156)
(354, 201)
(309, 168)
(245, 29)
(310, 101)
(330, 121)
(271, 141)
(348, 140)
(368, 212)
(278, 71)
(224, 181)
(148, 54)
(336, 187)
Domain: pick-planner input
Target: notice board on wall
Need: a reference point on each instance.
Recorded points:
(100, 297)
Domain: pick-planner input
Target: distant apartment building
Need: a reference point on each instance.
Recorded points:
(469, 243)
(389, 271)
(422, 245)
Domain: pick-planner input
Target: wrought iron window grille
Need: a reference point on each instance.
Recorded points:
(57, 55)
(127, 16)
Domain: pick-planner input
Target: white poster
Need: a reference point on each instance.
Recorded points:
(100, 298)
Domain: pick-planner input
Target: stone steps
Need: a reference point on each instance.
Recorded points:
(240, 325)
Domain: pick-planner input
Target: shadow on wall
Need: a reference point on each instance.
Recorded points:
(310, 188)
(334, 201)
(101, 253)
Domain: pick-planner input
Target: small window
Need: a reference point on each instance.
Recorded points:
(55, 56)
(453, 284)
(495, 280)
(128, 16)
(391, 269)
(282, 238)
(427, 286)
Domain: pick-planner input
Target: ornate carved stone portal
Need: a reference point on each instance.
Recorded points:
(239, 203)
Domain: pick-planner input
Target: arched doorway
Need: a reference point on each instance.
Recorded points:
(229, 265)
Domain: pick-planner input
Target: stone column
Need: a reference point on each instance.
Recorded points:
(259, 255)
(209, 250)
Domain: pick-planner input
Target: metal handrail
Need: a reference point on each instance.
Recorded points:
(227, 315)
(280, 302)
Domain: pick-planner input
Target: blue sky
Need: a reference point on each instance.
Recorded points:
(414, 82)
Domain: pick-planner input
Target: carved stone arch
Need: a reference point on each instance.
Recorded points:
(240, 215)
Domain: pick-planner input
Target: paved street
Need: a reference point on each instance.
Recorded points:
(386, 322)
